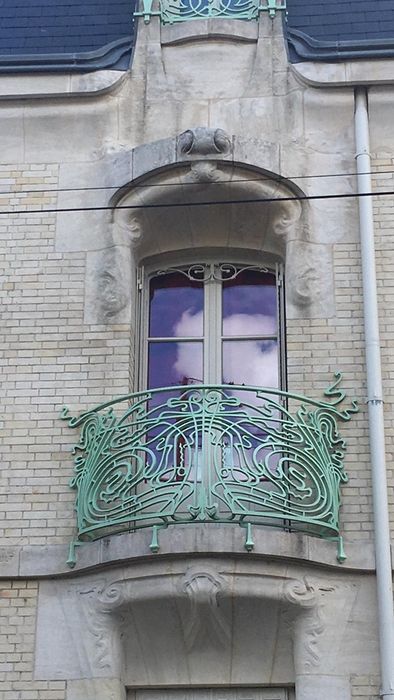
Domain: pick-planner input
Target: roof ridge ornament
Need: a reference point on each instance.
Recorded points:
(171, 11)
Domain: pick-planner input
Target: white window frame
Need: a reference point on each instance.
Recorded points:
(212, 335)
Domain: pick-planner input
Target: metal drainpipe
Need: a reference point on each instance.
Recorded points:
(375, 401)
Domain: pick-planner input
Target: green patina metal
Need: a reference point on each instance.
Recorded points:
(171, 11)
(210, 453)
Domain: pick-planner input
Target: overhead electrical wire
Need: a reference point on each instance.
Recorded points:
(266, 178)
(170, 205)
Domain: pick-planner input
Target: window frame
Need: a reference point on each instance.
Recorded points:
(212, 334)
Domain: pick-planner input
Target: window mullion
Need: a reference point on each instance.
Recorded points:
(141, 329)
(281, 327)
(212, 332)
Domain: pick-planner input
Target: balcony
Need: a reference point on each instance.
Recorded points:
(210, 454)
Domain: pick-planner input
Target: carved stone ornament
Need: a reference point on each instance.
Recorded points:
(7, 554)
(112, 291)
(204, 142)
(305, 615)
(106, 620)
(203, 599)
(203, 171)
(309, 278)
(205, 621)
(126, 230)
(285, 218)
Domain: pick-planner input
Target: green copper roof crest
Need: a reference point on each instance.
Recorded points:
(173, 11)
(210, 453)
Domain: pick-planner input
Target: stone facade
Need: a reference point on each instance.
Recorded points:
(87, 170)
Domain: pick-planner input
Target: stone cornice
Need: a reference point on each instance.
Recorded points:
(49, 85)
(345, 73)
(183, 541)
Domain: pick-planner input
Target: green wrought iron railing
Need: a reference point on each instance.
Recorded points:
(212, 454)
(171, 11)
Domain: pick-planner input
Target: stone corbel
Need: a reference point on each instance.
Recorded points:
(108, 284)
(203, 614)
(304, 615)
(205, 620)
(106, 621)
(309, 280)
(286, 218)
(203, 141)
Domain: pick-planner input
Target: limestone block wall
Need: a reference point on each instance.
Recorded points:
(365, 688)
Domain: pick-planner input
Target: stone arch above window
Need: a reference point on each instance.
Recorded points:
(206, 204)
(197, 197)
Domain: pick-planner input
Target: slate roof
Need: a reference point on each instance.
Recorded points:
(59, 35)
(336, 30)
(84, 35)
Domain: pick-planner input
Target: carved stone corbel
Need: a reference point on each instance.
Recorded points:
(108, 286)
(203, 141)
(304, 616)
(286, 216)
(205, 621)
(106, 620)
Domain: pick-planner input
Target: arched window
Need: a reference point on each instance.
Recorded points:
(214, 323)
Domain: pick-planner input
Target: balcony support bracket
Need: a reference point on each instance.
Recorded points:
(341, 556)
(249, 542)
(72, 557)
(155, 545)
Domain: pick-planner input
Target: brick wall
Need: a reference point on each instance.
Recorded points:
(325, 346)
(18, 600)
(49, 357)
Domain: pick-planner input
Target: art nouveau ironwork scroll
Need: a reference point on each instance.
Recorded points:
(212, 454)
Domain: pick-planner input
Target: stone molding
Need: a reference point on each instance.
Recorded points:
(182, 541)
(134, 623)
(218, 28)
(205, 623)
(49, 85)
(137, 222)
(378, 71)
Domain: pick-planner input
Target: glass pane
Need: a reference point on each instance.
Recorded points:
(173, 363)
(253, 362)
(250, 304)
(176, 306)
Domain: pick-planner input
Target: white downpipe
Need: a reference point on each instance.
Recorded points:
(375, 401)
